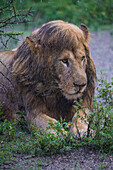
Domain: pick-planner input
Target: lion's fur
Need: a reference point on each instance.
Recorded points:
(35, 72)
(7, 90)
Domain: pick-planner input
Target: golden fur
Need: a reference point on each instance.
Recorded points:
(49, 70)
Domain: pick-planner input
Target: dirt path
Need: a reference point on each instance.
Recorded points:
(82, 159)
(101, 47)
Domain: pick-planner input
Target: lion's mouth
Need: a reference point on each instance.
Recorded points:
(73, 96)
(74, 92)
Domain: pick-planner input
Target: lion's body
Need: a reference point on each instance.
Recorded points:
(7, 94)
(48, 71)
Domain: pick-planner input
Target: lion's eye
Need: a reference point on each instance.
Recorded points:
(82, 60)
(83, 57)
(65, 61)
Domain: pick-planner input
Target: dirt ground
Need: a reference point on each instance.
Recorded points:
(101, 47)
(82, 159)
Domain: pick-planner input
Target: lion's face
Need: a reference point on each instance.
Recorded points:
(71, 71)
(57, 60)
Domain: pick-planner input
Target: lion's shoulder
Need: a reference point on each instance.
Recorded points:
(4, 54)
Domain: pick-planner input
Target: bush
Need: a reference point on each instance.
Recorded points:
(15, 137)
(92, 13)
(102, 116)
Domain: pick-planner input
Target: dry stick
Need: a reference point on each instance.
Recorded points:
(7, 5)
(16, 17)
(8, 71)
(6, 78)
(77, 128)
(4, 44)
(6, 10)
(88, 129)
(6, 67)
(4, 85)
(14, 10)
(8, 21)
(9, 37)
(10, 33)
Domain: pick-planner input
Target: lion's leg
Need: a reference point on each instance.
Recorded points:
(79, 123)
(37, 113)
(39, 120)
(42, 121)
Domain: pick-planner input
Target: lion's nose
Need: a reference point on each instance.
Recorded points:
(80, 86)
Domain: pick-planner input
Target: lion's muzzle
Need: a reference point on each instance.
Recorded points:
(79, 87)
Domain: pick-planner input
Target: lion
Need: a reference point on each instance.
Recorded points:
(50, 70)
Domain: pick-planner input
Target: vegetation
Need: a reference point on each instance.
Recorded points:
(102, 117)
(16, 138)
(15, 15)
(9, 16)
(92, 13)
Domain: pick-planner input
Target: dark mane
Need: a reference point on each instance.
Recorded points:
(49, 70)
(32, 71)
(58, 35)
(53, 37)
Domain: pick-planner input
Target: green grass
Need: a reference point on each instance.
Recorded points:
(15, 138)
(103, 166)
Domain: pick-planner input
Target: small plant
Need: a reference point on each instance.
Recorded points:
(100, 120)
(1, 113)
(22, 122)
(103, 166)
(15, 137)
(8, 129)
(102, 117)
(105, 92)
(78, 107)
(75, 164)
(57, 142)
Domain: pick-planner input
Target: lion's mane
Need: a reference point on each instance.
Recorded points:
(34, 68)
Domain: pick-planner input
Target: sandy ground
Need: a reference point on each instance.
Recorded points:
(101, 47)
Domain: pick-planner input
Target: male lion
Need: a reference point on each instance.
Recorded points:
(49, 70)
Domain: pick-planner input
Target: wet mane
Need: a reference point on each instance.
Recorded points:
(58, 35)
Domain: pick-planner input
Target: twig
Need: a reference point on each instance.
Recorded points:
(4, 85)
(16, 18)
(14, 10)
(6, 78)
(6, 6)
(6, 67)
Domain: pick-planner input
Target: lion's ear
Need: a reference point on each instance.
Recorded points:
(34, 46)
(85, 31)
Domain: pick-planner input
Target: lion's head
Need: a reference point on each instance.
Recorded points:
(55, 59)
